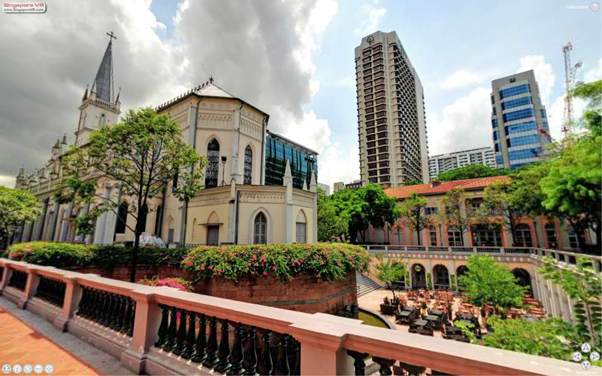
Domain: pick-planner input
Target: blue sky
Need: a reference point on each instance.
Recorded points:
(275, 54)
(479, 40)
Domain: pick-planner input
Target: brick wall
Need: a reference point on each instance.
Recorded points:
(304, 293)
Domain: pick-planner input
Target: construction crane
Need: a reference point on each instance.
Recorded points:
(569, 71)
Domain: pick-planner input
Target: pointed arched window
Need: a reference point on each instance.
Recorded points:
(248, 165)
(260, 229)
(212, 172)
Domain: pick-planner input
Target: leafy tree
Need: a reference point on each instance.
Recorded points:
(390, 271)
(412, 182)
(553, 337)
(332, 223)
(413, 209)
(365, 206)
(142, 155)
(499, 207)
(16, 208)
(471, 172)
(582, 284)
(489, 282)
(573, 184)
(457, 214)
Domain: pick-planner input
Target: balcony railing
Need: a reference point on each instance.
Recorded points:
(570, 258)
(161, 330)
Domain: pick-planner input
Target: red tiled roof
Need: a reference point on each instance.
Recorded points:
(443, 187)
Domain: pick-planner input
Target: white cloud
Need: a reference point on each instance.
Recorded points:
(336, 164)
(460, 79)
(556, 114)
(261, 52)
(544, 74)
(464, 124)
(595, 73)
(7, 181)
(370, 15)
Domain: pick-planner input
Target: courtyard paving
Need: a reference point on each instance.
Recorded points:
(29, 339)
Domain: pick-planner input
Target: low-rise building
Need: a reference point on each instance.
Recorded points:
(542, 232)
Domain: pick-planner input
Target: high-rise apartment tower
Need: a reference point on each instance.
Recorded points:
(519, 120)
(390, 111)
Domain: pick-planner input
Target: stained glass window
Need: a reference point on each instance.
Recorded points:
(212, 172)
(248, 165)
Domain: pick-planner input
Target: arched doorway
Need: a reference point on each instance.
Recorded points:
(418, 276)
(441, 276)
(461, 270)
(523, 277)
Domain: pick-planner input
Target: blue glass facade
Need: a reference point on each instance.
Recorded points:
(523, 140)
(278, 151)
(505, 93)
(521, 127)
(499, 161)
(516, 103)
(524, 154)
(517, 115)
(494, 123)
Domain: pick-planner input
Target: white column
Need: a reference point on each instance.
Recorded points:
(65, 222)
(101, 222)
(234, 153)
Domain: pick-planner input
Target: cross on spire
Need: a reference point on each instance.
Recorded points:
(211, 79)
(111, 36)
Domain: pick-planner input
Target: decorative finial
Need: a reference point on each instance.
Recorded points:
(118, 95)
(85, 94)
(211, 79)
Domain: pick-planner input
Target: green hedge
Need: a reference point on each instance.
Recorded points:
(325, 261)
(67, 255)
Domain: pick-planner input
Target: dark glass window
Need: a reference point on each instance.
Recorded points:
(122, 214)
(212, 172)
(248, 165)
(260, 235)
(516, 103)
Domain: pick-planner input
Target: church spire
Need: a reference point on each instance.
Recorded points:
(103, 83)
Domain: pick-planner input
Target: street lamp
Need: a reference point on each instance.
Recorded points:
(224, 159)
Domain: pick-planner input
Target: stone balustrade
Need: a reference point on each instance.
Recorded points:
(569, 258)
(161, 330)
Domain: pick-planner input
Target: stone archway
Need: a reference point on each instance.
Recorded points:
(418, 276)
(440, 276)
(461, 270)
(523, 277)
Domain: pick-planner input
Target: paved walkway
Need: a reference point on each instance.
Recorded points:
(29, 339)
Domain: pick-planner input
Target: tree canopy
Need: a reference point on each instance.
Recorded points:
(457, 214)
(413, 209)
(360, 208)
(490, 282)
(142, 156)
(333, 224)
(390, 271)
(16, 208)
(471, 172)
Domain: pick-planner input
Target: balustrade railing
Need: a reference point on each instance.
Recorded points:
(113, 311)
(237, 349)
(18, 280)
(177, 332)
(51, 290)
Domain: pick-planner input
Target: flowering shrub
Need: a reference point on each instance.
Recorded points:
(178, 283)
(324, 261)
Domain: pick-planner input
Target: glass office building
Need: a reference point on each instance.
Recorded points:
(302, 160)
(519, 121)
